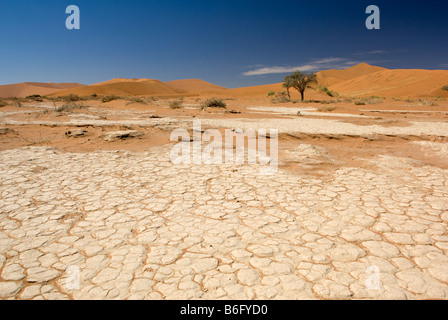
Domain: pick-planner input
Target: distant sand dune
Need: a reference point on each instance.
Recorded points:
(193, 85)
(123, 88)
(24, 89)
(357, 81)
(396, 83)
(332, 77)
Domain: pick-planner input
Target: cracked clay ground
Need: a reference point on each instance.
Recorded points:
(138, 227)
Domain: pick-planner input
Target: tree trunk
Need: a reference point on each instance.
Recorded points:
(289, 96)
(302, 94)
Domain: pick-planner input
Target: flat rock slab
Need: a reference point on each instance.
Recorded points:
(115, 135)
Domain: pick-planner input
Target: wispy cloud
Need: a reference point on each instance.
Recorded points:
(380, 52)
(370, 52)
(315, 65)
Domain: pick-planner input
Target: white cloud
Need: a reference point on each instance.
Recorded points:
(326, 63)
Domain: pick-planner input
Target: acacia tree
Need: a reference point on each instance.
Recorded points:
(301, 81)
(288, 83)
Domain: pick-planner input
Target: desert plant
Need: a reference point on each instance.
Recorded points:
(3, 103)
(281, 97)
(369, 100)
(18, 101)
(69, 106)
(300, 81)
(326, 108)
(327, 91)
(71, 98)
(213, 102)
(288, 83)
(109, 98)
(176, 104)
(136, 100)
(271, 93)
(426, 103)
(445, 88)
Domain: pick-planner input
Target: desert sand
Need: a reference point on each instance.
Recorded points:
(357, 210)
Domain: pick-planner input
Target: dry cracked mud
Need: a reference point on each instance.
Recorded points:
(138, 227)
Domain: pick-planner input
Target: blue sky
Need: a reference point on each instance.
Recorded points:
(230, 43)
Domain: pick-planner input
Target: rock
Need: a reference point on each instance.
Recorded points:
(115, 135)
(76, 133)
(4, 130)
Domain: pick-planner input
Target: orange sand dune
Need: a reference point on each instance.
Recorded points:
(24, 89)
(333, 76)
(193, 85)
(396, 83)
(126, 88)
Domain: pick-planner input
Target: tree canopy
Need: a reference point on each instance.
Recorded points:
(300, 81)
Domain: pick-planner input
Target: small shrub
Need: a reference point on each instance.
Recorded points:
(327, 91)
(426, 103)
(71, 98)
(136, 100)
(280, 97)
(213, 103)
(33, 96)
(445, 88)
(326, 108)
(280, 100)
(347, 100)
(18, 102)
(69, 106)
(176, 104)
(369, 100)
(109, 98)
(3, 103)
(271, 93)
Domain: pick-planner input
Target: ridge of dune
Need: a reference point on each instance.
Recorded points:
(334, 76)
(126, 88)
(193, 85)
(118, 80)
(24, 89)
(396, 83)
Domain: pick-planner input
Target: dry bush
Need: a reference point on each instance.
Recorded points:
(69, 106)
(369, 100)
(3, 103)
(109, 98)
(176, 104)
(328, 108)
(281, 97)
(213, 103)
(426, 103)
